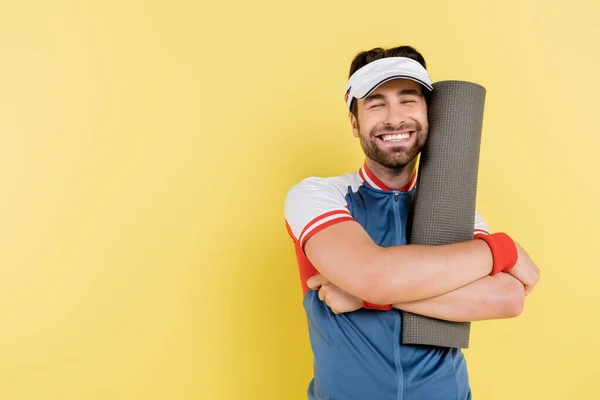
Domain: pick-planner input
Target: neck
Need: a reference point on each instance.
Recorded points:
(393, 178)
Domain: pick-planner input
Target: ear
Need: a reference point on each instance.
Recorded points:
(354, 124)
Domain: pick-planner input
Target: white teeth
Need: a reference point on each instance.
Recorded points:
(399, 136)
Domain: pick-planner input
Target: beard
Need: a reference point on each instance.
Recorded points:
(395, 157)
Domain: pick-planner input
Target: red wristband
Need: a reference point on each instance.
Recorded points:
(504, 251)
(371, 306)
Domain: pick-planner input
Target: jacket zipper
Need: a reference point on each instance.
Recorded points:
(397, 212)
(397, 358)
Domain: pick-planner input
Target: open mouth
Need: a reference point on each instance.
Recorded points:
(396, 137)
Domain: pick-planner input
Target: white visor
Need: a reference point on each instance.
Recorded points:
(375, 73)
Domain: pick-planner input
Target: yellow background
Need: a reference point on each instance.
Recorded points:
(147, 147)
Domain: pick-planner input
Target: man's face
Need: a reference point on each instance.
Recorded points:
(392, 123)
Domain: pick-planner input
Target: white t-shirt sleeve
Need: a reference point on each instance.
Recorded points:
(313, 205)
(480, 225)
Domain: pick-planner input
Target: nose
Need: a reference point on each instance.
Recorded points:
(395, 116)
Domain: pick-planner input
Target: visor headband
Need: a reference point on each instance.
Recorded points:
(376, 73)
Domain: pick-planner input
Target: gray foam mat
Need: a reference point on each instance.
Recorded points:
(444, 208)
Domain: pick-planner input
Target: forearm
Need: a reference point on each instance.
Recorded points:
(395, 274)
(416, 272)
(492, 297)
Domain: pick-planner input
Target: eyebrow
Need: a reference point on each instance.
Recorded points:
(403, 92)
(409, 92)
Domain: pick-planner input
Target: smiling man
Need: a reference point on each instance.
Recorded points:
(350, 236)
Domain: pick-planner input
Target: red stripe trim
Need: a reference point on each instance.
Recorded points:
(376, 180)
(305, 268)
(383, 186)
(320, 217)
(362, 176)
(290, 232)
(371, 306)
(409, 186)
(323, 226)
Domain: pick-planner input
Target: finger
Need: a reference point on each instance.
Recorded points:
(316, 281)
(328, 302)
(323, 293)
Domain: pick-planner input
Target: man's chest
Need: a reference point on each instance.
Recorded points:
(384, 215)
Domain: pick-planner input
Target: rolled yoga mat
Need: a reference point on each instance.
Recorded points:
(444, 207)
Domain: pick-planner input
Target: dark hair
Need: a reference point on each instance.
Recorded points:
(365, 57)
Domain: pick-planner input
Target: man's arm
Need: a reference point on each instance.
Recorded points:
(332, 243)
(493, 297)
(345, 255)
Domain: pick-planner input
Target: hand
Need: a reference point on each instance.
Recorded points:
(337, 300)
(525, 270)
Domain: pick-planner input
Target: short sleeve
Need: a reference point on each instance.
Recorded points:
(481, 227)
(313, 205)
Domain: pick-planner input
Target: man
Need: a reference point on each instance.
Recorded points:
(350, 236)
